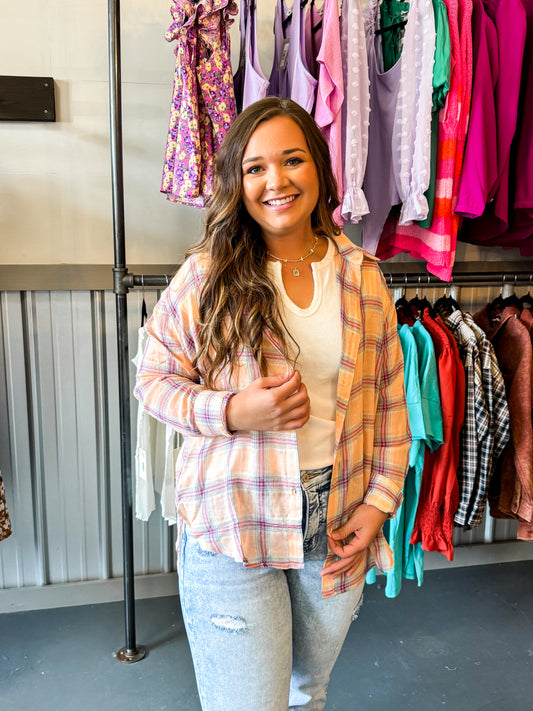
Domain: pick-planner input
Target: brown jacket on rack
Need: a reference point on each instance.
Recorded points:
(511, 491)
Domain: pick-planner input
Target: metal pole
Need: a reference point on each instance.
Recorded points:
(130, 652)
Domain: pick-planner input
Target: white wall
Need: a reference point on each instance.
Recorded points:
(55, 184)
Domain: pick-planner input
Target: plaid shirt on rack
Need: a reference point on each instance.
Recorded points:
(240, 492)
(476, 420)
(499, 426)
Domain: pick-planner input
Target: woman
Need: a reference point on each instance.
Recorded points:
(274, 351)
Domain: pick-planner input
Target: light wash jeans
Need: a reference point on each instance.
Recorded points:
(264, 639)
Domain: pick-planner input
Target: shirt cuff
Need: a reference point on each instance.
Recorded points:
(387, 503)
(210, 413)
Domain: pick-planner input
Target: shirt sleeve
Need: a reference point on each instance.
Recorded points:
(392, 436)
(167, 385)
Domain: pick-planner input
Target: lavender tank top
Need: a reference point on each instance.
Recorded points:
(290, 76)
(250, 82)
(379, 185)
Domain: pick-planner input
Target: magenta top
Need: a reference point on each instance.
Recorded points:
(479, 172)
(509, 17)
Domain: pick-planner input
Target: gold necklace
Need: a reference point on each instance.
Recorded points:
(295, 270)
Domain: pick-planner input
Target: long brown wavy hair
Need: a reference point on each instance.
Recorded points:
(238, 300)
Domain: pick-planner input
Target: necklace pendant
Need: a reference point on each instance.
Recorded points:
(296, 272)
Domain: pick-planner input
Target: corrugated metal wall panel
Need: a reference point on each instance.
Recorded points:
(59, 438)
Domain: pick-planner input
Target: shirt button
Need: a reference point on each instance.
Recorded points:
(295, 491)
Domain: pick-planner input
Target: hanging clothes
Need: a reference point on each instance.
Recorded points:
(203, 99)
(425, 423)
(439, 493)
(249, 81)
(289, 76)
(5, 521)
(354, 110)
(433, 426)
(520, 179)
(392, 21)
(436, 244)
(511, 494)
(313, 27)
(330, 91)
(398, 168)
(509, 17)
(156, 450)
(379, 185)
(395, 528)
(522, 161)
(441, 86)
(491, 447)
(476, 416)
(394, 15)
(480, 165)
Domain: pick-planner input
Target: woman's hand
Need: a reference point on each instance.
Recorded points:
(275, 403)
(364, 524)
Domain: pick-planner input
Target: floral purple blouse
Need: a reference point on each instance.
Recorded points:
(203, 98)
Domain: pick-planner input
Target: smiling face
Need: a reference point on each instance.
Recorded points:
(280, 181)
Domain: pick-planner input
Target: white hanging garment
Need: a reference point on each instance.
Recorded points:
(355, 109)
(155, 457)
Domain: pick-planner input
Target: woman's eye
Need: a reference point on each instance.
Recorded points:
(294, 161)
(253, 170)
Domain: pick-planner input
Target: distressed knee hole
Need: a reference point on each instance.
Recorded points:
(355, 613)
(229, 623)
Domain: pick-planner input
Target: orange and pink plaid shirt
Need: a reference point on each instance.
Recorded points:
(239, 492)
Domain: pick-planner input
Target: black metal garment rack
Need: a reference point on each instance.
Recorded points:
(396, 273)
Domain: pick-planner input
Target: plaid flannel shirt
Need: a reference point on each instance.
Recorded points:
(240, 492)
(491, 448)
(476, 420)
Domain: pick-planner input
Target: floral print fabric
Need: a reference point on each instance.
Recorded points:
(5, 523)
(203, 99)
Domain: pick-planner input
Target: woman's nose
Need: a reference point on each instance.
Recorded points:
(276, 179)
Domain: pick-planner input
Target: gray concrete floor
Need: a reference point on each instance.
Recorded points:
(462, 642)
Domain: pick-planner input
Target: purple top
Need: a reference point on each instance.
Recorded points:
(290, 77)
(379, 184)
(250, 82)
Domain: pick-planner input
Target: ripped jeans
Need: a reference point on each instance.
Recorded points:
(264, 639)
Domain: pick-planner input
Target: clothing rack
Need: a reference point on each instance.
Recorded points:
(397, 274)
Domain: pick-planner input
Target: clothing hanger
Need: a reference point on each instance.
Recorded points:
(286, 20)
(527, 300)
(497, 305)
(403, 310)
(418, 304)
(513, 299)
(447, 304)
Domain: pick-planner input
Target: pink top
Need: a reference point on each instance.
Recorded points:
(523, 201)
(330, 93)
